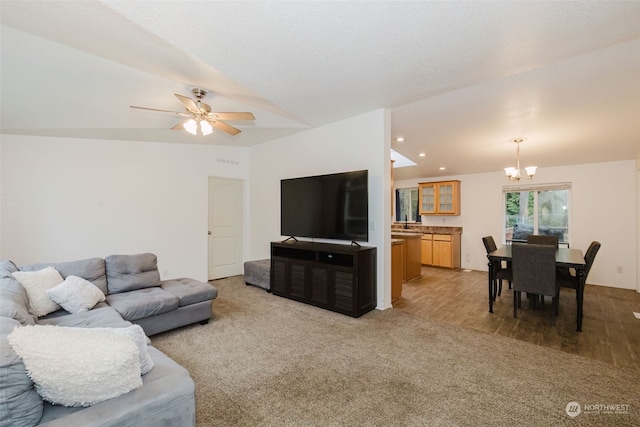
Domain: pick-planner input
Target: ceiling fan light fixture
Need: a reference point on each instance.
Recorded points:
(191, 126)
(205, 127)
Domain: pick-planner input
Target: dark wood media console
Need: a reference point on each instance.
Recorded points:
(339, 278)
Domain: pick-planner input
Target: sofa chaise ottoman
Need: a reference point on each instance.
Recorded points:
(257, 273)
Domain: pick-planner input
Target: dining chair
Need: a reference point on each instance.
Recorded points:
(534, 272)
(500, 272)
(567, 278)
(543, 240)
(540, 239)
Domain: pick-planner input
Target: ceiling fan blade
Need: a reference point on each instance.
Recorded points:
(162, 111)
(188, 103)
(180, 126)
(235, 116)
(224, 127)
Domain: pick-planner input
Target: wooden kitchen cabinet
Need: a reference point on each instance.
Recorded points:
(439, 198)
(441, 250)
(427, 249)
(411, 254)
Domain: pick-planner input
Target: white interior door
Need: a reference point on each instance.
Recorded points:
(226, 216)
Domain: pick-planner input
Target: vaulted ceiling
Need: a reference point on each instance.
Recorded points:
(460, 78)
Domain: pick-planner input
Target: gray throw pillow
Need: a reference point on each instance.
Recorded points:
(6, 268)
(14, 302)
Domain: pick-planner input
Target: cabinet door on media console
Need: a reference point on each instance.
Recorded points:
(298, 279)
(344, 296)
(289, 277)
(320, 284)
(332, 287)
(278, 275)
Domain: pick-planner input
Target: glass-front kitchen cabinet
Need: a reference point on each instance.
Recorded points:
(439, 198)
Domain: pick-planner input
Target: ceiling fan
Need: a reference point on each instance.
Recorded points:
(199, 118)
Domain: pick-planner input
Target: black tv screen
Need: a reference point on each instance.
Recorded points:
(334, 206)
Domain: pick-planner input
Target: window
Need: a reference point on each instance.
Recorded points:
(407, 205)
(540, 210)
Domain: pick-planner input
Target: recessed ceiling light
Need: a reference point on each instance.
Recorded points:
(400, 139)
(442, 168)
(422, 154)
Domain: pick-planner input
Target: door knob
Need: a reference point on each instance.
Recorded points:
(209, 233)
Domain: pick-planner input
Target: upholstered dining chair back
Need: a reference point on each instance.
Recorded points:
(567, 278)
(543, 240)
(590, 256)
(500, 272)
(534, 272)
(489, 244)
(534, 269)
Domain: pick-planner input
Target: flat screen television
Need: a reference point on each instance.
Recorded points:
(334, 206)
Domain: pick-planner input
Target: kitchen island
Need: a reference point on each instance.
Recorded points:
(412, 253)
(439, 246)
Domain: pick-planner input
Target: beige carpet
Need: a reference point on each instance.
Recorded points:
(268, 361)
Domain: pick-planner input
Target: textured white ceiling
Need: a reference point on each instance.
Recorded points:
(460, 78)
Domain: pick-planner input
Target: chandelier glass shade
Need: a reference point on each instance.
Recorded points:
(513, 173)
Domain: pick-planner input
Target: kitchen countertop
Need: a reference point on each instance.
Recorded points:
(424, 229)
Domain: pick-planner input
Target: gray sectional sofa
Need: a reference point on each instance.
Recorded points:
(134, 294)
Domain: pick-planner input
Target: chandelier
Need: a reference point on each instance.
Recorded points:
(514, 173)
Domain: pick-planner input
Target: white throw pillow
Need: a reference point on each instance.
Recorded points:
(136, 333)
(77, 366)
(37, 283)
(76, 294)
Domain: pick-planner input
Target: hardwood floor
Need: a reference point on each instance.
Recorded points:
(610, 331)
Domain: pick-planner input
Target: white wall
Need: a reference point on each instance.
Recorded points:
(638, 223)
(1, 198)
(361, 142)
(67, 199)
(603, 208)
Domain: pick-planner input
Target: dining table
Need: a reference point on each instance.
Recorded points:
(565, 257)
